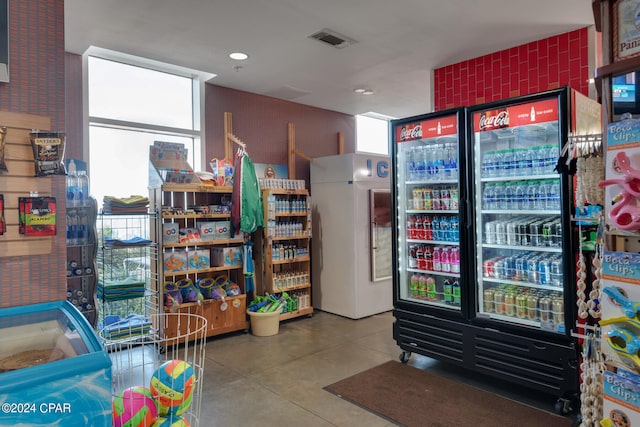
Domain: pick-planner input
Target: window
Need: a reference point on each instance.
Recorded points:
(131, 104)
(372, 135)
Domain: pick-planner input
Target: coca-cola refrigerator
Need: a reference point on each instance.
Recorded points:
(517, 245)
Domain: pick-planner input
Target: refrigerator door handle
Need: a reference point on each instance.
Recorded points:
(539, 346)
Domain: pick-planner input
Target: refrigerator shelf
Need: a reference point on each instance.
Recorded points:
(523, 284)
(437, 273)
(519, 212)
(524, 248)
(436, 303)
(433, 182)
(520, 178)
(435, 242)
(434, 211)
(511, 319)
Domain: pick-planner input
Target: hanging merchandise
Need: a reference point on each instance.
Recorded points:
(48, 152)
(37, 216)
(591, 376)
(3, 133)
(246, 207)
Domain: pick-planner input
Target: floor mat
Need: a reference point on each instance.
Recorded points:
(412, 397)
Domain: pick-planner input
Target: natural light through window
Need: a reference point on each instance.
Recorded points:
(130, 107)
(372, 135)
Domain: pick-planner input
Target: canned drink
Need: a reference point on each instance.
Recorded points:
(509, 267)
(510, 303)
(520, 269)
(490, 232)
(522, 234)
(535, 233)
(545, 309)
(417, 199)
(488, 268)
(547, 228)
(557, 307)
(556, 236)
(498, 301)
(498, 269)
(501, 233)
(427, 199)
(445, 199)
(556, 272)
(436, 201)
(532, 270)
(511, 233)
(544, 272)
(532, 307)
(453, 193)
(521, 306)
(488, 300)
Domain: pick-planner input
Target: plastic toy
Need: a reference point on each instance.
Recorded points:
(189, 291)
(625, 214)
(631, 309)
(625, 344)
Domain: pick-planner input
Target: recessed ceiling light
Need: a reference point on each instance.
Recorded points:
(367, 92)
(238, 56)
(359, 90)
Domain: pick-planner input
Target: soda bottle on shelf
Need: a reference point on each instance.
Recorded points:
(454, 258)
(420, 257)
(445, 228)
(445, 260)
(455, 229)
(437, 261)
(488, 164)
(423, 286)
(414, 285)
(435, 226)
(428, 258)
(447, 289)
(411, 227)
(418, 228)
(454, 195)
(431, 289)
(426, 226)
(455, 288)
(427, 197)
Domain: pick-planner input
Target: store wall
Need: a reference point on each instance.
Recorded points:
(37, 86)
(261, 122)
(533, 67)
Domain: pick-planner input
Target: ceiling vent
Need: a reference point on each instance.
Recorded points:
(332, 38)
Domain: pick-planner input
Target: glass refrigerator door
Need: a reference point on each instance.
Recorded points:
(518, 206)
(428, 212)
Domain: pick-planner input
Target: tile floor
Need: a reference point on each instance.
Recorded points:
(279, 380)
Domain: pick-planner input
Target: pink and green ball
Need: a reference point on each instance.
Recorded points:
(134, 407)
(172, 387)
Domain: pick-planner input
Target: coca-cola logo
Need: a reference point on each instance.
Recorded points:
(500, 120)
(412, 133)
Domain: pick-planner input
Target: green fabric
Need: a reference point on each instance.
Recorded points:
(251, 212)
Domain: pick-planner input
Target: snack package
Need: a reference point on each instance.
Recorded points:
(3, 133)
(48, 152)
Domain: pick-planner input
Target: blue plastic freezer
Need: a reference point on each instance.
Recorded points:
(54, 371)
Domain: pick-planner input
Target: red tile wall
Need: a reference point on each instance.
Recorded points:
(37, 86)
(533, 67)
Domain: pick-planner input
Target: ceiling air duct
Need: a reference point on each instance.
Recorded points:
(332, 38)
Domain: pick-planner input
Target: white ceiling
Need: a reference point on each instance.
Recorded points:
(399, 42)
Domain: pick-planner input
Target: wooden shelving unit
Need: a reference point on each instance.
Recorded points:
(287, 219)
(183, 205)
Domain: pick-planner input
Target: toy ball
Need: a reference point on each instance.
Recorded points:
(172, 386)
(171, 421)
(134, 407)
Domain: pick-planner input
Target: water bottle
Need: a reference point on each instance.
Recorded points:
(453, 151)
(553, 195)
(438, 163)
(521, 197)
(532, 194)
(498, 163)
(537, 165)
(498, 200)
(553, 153)
(543, 194)
(507, 195)
(509, 162)
(83, 188)
(488, 196)
(411, 164)
(528, 161)
(420, 155)
(487, 164)
(448, 162)
(72, 188)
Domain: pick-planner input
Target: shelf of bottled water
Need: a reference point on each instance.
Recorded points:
(522, 195)
(434, 162)
(537, 160)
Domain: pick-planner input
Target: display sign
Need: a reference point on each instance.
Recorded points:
(626, 29)
(517, 115)
(443, 126)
